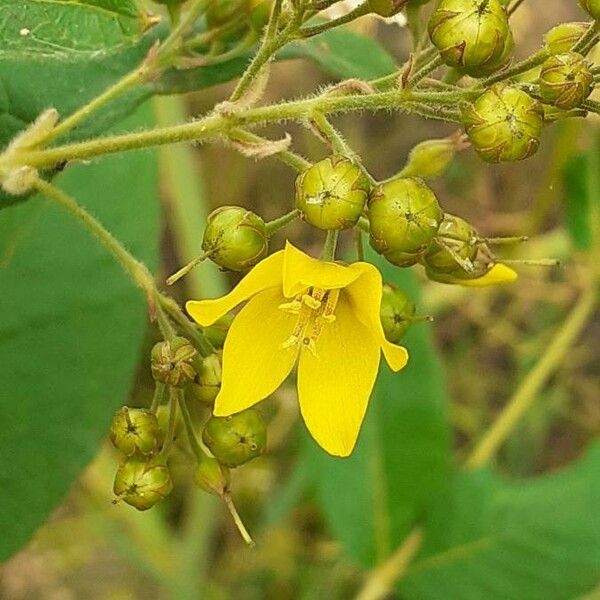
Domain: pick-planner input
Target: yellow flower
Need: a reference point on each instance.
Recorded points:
(322, 315)
(497, 275)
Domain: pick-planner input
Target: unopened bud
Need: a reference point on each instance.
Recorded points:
(171, 362)
(236, 439)
(332, 193)
(396, 313)
(592, 7)
(566, 80)
(564, 36)
(235, 238)
(135, 430)
(212, 477)
(404, 216)
(431, 158)
(207, 383)
(142, 483)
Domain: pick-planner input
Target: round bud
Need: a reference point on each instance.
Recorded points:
(404, 216)
(471, 35)
(135, 430)
(235, 238)
(459, 275)
(236, 439)
(566, 80)
(386, 8)
(592, 7)
(142, 483)
(456, 242)
(431, 158)
(564, 36)
(171, 362)
(332, 193)
(504, 124)
(207, 383)
(396, 313)
(212, 477)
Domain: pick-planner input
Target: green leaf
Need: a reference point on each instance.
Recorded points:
(341, 52)
(70, 334)
(371, 499)
(581, 203)
(63, 54)
(344, 54)
(534, 540)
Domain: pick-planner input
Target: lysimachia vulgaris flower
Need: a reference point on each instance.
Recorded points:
(324, 316)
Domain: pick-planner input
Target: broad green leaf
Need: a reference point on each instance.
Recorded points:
(341, 52)
(533, 540)
(371, 499)
(63, 54)
(582, 185)
(70, 334)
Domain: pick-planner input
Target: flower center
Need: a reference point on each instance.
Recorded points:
(313, 309)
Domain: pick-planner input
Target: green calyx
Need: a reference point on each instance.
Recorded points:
(171, 362)
(592, 7)
(396, 313)
(236, 439)
(431, 158)
(404, 216)
(142, 483)
(207, 382)
(564, 36)
(135, 430)
(212, 476)
(504, 124)
(235, 238)
(566, 80)
(454, 249)
(332, 193)
(472, 35)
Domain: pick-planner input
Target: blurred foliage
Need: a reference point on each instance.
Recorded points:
(318, 521)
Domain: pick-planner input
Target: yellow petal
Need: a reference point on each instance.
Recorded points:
(267, 273)
(254, 363)
(335, 384)
(301, 271)
(365, 297)
(497, 275)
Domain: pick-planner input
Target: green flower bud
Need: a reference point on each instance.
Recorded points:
(171, 362)
(456, 242)
(396, 313)
(235, 238)
(135, 430)
(566, 80)
(431, 158)
(142, 483)
(592, 7)
(332, 193)
(212, 477)
(504, 124)
(207, 383)
(471, 35)
(458, 275)
(404, 216)
(236, 439)
(386, 8)
(564, 36)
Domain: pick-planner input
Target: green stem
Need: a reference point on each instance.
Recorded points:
(197, 338)
(515, 5)
(237, 519)
(425, 70)
(187, 268)
(328, 132)
(587, 40)
(189, 426)
(171, 427)
(329, 248)
(164, 324)
(521, 67)
(158, 397)
(359, 11)
(277, 224)
(533, 383)
(215, 124)
(196, 8)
